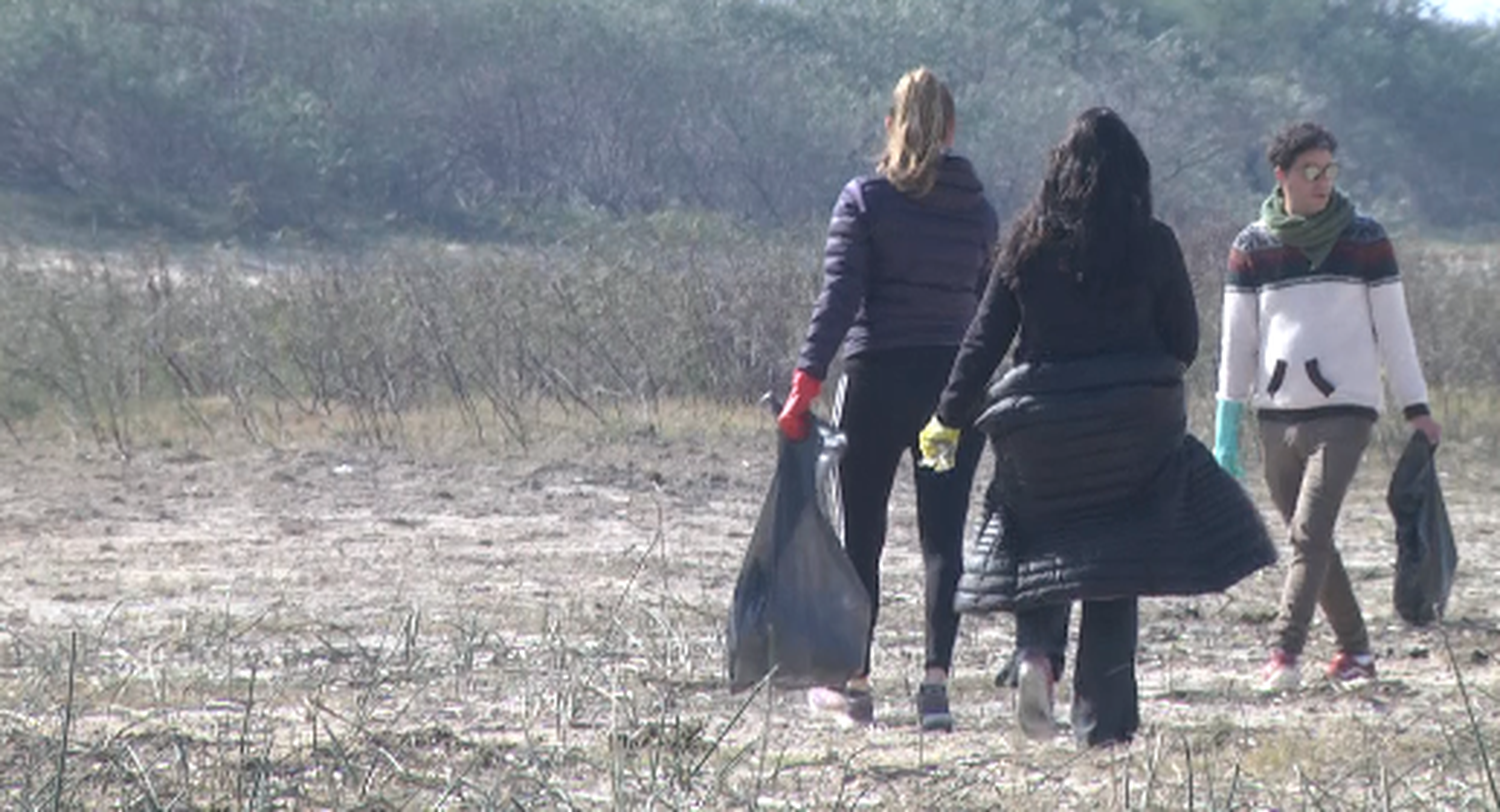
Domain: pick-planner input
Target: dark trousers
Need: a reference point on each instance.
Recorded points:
(1106, 702)
(887, 398)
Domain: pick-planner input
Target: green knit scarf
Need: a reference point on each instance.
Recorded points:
(1314, 235)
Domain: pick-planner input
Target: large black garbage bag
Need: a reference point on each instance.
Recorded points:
(798, 606)
(1426, 556)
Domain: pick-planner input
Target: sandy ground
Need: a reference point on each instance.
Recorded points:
(521, 631)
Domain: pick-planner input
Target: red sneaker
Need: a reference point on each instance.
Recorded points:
(1352, 669)
(1280, 673)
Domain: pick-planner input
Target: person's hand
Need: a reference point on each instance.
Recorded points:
(794, 421)
(938, 444)
(1425, 424)
(1227, 437)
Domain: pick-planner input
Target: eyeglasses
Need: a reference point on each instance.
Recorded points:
(1312, 172)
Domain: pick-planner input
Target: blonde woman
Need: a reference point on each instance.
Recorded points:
(905, 263)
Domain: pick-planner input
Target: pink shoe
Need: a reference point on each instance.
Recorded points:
(852, 707)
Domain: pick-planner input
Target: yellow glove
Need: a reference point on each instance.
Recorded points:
(938, 444)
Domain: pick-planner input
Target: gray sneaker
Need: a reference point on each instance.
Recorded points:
(852, 707)
(932, 707)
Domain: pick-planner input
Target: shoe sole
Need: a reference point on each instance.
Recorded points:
(1034, 703)
(1353, 683)
(1283, 683)
(843, 719)
(938, 722)
(848, 722)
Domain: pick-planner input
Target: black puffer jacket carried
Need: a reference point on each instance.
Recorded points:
(1099, 492)
(1426, 555)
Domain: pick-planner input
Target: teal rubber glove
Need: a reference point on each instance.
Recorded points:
(1227, 436)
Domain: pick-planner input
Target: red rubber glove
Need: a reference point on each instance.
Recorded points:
(794, 420)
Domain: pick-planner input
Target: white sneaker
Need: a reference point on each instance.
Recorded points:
(1034, 689)
(1281, 673)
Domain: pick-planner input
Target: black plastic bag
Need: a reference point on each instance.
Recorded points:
(799, 606)
(1426, 556)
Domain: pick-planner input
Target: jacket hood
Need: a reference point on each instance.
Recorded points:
(957, 186)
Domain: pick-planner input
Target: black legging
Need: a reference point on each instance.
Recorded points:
(888, 397)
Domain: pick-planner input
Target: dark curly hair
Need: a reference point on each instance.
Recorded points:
(1093, 214)
(1297, 139)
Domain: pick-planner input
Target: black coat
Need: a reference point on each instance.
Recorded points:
(1099, 492)
(901, 270)
(1052, 318)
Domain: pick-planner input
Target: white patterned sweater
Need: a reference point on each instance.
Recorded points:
(1300, 341)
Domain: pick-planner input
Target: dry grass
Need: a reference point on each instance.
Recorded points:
(254, 574)
(328, 626)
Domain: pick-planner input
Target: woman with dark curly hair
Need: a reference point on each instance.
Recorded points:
(1099, 493)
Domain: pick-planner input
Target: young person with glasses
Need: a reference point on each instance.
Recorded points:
(1313, 310)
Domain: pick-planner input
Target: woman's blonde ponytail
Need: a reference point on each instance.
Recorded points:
(921, 120)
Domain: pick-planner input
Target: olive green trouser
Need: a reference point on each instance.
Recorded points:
(1309, 466)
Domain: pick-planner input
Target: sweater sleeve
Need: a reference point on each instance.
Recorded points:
(1398, 349)
(1239, 337)
(984, 345)
(846, 259)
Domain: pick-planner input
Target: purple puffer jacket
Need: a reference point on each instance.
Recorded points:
(901, 271)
